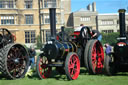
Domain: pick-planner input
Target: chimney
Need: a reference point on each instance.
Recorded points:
(94, 6)
(89, 7)
(53, 22)
(122, 22)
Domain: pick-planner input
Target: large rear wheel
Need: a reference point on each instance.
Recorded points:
(14, 61)
(96, 57)
(86, 51)
(72, 66)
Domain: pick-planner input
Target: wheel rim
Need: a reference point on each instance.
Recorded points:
(97, 57)
(44, 70)
(74, 66)
(17, 61)
(94, 57)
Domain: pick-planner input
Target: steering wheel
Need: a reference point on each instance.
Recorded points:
(85, 35)
(6, 36)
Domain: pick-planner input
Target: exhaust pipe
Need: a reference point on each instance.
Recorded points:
(53, 23)
(122, 22)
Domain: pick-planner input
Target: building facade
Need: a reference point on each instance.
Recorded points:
(106, 23)
(21, 17)
(87, 17)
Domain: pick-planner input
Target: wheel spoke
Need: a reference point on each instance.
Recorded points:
(71, 66)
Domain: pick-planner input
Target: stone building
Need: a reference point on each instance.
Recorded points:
(87, 17)
(109, 23)
(106, 23)
(21, 17)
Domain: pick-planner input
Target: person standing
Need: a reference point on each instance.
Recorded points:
(96, 35)
(108, 49)
(32, 55)
(32, 59)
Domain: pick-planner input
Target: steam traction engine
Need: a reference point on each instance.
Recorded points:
(67, 55)
(118, 60)
(14, 58)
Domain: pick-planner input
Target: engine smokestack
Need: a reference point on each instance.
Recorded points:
(122, 22)
(53, 22)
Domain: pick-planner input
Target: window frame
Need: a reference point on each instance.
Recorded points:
(7, 4)
(30, 36)
(29, 19)
(85, 18)
(107, 31)
(51, 2)
(28, 4)
(107, 22)
(7, 20)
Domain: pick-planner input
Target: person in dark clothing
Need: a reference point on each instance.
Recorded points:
(32, 59)
(62, 35)
(32, 55)
(96, 35)
(108, 49)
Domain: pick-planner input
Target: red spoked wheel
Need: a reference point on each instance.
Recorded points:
(96, 57)
(42, 67)
(72, 66)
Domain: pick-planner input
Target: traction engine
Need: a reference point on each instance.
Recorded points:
(14, 59)
(68, 53)
(118, 60)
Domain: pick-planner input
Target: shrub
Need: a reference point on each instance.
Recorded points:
(110, 38)
(69, 30)
(39, 44)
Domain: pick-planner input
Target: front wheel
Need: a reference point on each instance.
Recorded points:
(43, 70)
(109, 66)
(72, 66)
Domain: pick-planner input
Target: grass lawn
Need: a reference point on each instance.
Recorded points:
(83, 79)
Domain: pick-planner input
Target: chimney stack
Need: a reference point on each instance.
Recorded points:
(53, 22)
(94, 6)
(122, 22)
(89, 7)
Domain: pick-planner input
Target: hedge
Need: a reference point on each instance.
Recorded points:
(110, 38)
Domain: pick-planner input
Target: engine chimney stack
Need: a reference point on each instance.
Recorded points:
(122, 22)
(53, 23)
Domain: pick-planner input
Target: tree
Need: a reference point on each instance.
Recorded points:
(110, 38)
(39, 44)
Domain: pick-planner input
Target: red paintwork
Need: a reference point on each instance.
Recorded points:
(77, 33)
(121, 43)
(57, 37)
(97, 57)
(44, 70)
(74, 66)
(14, 37)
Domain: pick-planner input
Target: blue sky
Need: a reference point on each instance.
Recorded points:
(102, 6)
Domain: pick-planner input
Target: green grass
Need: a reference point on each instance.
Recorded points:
(83, 79)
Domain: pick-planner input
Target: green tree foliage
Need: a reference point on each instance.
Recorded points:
(39, 44)
(110, 38)
(69, 30)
